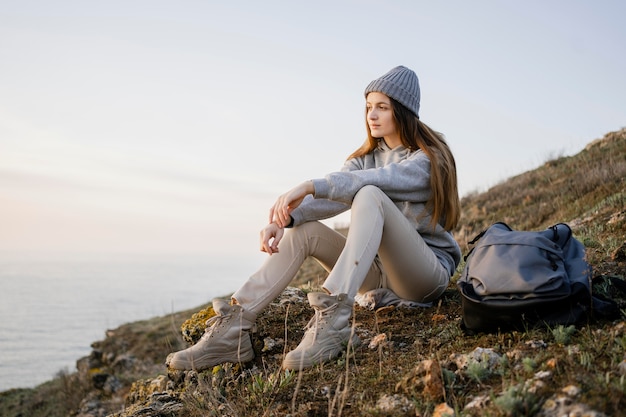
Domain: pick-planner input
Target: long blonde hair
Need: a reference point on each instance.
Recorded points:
(444, 200)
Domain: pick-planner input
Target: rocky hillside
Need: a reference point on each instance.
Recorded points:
(413, 362)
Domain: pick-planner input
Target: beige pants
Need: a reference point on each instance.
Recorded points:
(382, 250)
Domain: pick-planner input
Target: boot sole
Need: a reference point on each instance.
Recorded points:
(206, 362)
(301, 363)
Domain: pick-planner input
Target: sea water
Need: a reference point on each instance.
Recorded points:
(52, 309)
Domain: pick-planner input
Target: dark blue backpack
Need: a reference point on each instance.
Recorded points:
(520, 279)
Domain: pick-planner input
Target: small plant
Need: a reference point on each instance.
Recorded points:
(529, 364)
(586, 359)
(449, 377)
(504, 365)
(563, 335)
(516, 401)
(72, 389)
(478, 371)
(262, 389)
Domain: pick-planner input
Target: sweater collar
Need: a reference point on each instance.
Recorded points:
(382, 145)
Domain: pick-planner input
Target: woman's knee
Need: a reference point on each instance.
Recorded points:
(306, 232)
(307, 228)
(368, 193)
(317, 240)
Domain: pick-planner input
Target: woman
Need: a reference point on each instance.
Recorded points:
(401, 188)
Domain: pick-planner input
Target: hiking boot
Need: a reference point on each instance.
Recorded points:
(226, 339)
(327, 334)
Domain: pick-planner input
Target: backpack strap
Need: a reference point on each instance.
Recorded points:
(561, 233)
(476, 238)
(602, 304)
(501, 225)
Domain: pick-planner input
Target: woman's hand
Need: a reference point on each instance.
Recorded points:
(270, 238)
(286, 203)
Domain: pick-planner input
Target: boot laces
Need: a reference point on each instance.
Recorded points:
(213, 323)
(320, 318)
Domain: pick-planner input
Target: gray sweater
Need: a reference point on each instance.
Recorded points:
(402, 175)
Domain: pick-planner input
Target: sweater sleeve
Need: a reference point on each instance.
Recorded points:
(407, 180)
(317, 209)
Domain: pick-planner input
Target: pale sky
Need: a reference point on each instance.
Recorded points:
(170, 127)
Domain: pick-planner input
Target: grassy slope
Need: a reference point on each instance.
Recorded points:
(587, 190)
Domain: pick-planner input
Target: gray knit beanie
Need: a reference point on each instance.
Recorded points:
(402, 85)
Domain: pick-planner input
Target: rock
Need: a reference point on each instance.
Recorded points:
(424, 378)
(194, 327)
(536, 344)
(98, 379)
(91, 406)
(563, 404)
(543, 375)
(443, 410)
(620, 328)
(159, 384)
(151, 397)
(536, 384)
(478, 403)
(485, 356)
(292, 295)
(158, 404)
(270, 344)
(112, 385)
(142, 389)
(571, 391)
(123, 363)
(552, 363)
(87, 363)
(394, 404)
(378, 340)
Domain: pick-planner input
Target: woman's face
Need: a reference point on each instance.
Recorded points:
(380, 117)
